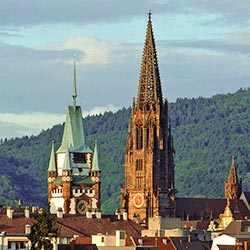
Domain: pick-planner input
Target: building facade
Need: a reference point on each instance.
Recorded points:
(73, 172)
(149, 166)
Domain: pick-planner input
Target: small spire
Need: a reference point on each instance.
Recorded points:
(232, 160)
(74, 94)
(52, 162)
(95, 163)
(66, 164)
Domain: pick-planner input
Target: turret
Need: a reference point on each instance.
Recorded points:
(52, 172)
(95, 170)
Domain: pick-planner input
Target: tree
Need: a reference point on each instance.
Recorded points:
(43, 231)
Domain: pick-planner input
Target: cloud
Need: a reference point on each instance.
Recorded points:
(232, 43)
(30, 13)
(96, 51)
(40, 79)
(18, 125)
(101, 110)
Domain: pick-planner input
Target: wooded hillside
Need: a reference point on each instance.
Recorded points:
(206, 131)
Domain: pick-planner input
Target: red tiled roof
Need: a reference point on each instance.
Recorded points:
(182, 243)
(15, 225)
(203, 207)
(159, 242)
(79, 224)
(71, 225)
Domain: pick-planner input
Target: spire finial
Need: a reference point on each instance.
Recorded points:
(232, 159)
(149, 14)
(74, 94)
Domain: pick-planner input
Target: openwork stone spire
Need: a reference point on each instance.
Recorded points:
(149, 165)
(149, 90)
(233, 187)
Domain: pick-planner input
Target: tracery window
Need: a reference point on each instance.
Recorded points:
(139, 137)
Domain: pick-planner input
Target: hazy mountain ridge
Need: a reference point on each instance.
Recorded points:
(206, 131)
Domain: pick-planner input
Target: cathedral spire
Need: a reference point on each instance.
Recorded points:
(74, 94)
(149, 90)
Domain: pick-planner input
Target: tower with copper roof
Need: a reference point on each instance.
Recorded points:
(149, 188)
(233, 187)
(74, 175)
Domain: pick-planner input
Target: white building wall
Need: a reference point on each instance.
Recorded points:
(223, 240)
(55, 203)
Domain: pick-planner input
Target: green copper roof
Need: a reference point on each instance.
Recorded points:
(66, 164)
(58, 180)
(95, 163)
(52, 161)
(82, 180)
(73, 135)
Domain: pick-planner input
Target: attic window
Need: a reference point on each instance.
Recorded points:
(79, 158)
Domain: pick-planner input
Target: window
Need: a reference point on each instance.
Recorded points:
(138, 166)
(147, 137)
(138, 182)
(139, 138)
(79, 158)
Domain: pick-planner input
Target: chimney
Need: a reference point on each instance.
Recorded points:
(10, 211)
(27, 229)
(89, 214)
(245, 245)
(34, 209)
(125, 215)
(19, 203)
(165, 241)
(27, 212)
(59, 213)
(140, 241)
(98, 215)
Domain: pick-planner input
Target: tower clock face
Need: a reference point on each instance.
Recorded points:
(138, 200)
(82, 206)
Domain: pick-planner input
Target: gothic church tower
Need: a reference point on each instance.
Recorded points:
(73, 172)
(149, 167)
(233, 187)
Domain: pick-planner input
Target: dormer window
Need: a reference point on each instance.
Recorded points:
(79, 158)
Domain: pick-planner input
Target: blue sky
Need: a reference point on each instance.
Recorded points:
(203, 49)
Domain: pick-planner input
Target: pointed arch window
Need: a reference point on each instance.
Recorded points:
(139, 166)
(139, 137)
(138, 182)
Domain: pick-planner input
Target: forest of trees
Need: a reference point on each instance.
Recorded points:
(206, 131)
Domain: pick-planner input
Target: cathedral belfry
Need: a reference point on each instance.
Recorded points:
(149, 166)
(74, 175)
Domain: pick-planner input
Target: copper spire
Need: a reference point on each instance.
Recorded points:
(74, 94)
(149, 89)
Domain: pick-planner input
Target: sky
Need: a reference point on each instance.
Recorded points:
(203, 49)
